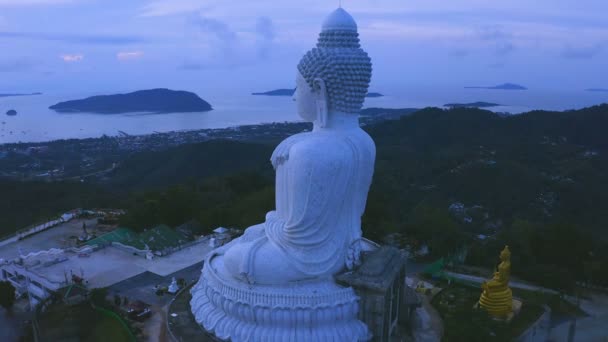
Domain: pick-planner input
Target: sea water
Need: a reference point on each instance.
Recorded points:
(36, 123)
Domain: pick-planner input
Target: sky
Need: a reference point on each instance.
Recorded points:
(121, 45)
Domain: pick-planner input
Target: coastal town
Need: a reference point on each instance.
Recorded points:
(82, 159)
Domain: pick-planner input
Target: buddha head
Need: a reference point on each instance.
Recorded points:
(505, 254)
(335, 75)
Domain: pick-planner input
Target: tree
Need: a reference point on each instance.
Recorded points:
(98, 296)
(7, 294)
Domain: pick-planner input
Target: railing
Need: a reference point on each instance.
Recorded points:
(130, 249)
(36, 227)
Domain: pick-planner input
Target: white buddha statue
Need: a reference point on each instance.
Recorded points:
(322, 182)
(322, 177)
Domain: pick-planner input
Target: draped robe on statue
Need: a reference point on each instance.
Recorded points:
(322, 180)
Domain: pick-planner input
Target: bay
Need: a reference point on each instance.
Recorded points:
(36, 123)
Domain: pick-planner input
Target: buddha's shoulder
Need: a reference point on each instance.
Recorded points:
(322, 147)
(282, 152)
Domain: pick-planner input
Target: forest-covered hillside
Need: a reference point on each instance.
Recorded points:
(447, 178)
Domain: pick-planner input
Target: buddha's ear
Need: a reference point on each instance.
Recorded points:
(320, 88)
(320, 92)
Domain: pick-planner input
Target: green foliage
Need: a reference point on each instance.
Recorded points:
(7, 294)
(99, 296)
(532, 175)
(436, 227)
(463, 322)
(25, 203)
(190, 163)
(82, 323)
(234, 201)
(531, 178)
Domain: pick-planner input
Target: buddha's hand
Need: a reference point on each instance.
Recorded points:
(353, 255)
(280, 155)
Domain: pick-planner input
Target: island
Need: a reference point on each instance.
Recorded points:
(598, 90)
(30, 94)
(11, 112)
(504, 86)
(277, 92)
(290, 92)
(149, 101)
(478, 104)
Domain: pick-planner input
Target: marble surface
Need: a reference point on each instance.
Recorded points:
(276, 282)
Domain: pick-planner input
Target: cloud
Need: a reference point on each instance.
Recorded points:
(218, 45)
(92, 39)
(265, 28)
(218, 28)
(161, 8)
(15, 3)
(191, 66)
(492, 33)
(459, 52)
(582, 52)
(129, 55)
(75, 58)
(499, 38)
(504, 48)
(16, 65)
(265, 33)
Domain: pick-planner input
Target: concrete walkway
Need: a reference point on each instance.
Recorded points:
(590, 329)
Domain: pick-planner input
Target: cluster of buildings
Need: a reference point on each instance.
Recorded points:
(76, 249)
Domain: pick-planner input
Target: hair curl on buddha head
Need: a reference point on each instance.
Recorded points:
(340, 62)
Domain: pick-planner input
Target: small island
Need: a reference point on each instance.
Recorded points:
(9, 95)
(478, 104)
(290, 92)
(598, 90)
(11, 112)
(277, 92)
(504, 86)
(149, 101)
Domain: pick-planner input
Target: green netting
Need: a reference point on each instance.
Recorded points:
(157, 239)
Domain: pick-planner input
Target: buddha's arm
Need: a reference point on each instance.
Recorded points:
(281, 153)
(316, 178)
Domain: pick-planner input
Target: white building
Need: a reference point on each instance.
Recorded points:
(28, 281)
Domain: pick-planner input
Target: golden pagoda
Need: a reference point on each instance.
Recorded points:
(497, 298)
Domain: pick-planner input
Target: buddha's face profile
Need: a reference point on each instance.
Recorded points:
(306, 99)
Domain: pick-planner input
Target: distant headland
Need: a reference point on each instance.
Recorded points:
(11, 112)
(504, 86)
(478, 104)
(9, 95)
(150, 101)
(277, 92)
(599, 90)
(290, 92)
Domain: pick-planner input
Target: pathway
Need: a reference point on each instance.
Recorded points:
(514, 284)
